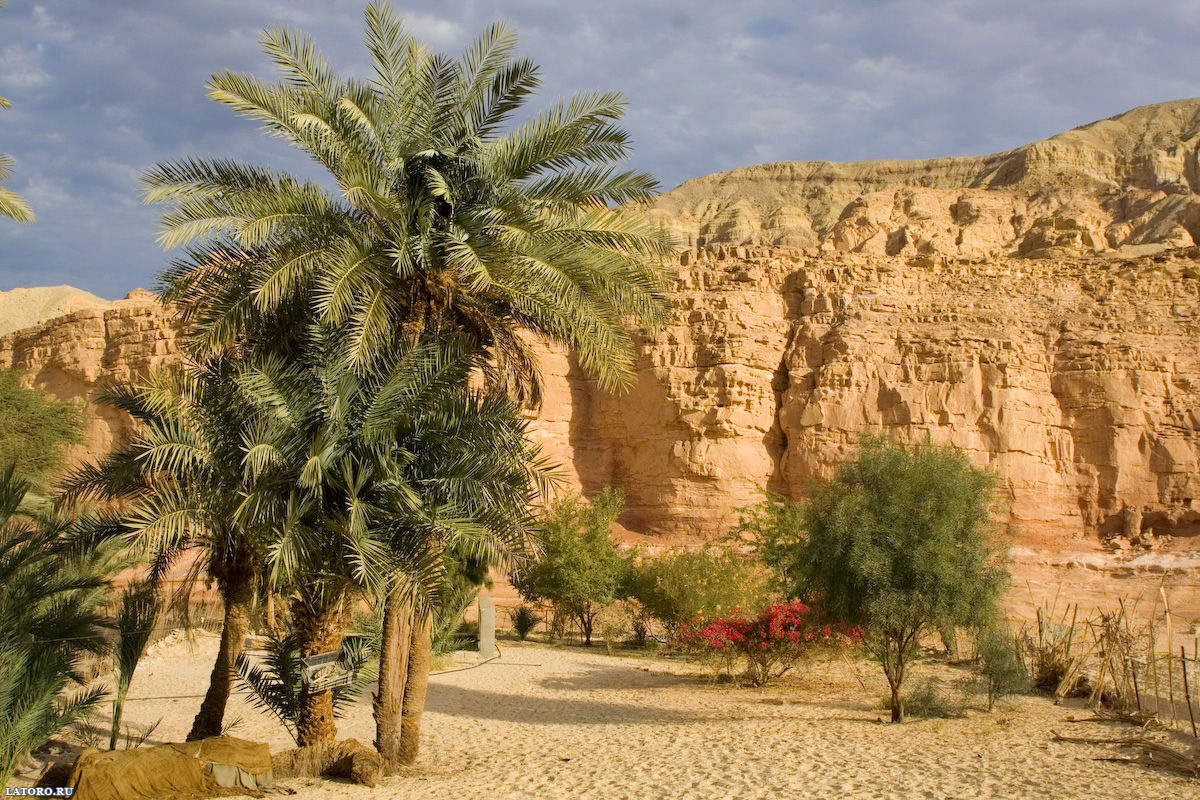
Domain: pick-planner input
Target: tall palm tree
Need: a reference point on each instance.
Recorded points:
(12, 205)
(181, 483)
(444, 209)
(448, 217)
(368, 480)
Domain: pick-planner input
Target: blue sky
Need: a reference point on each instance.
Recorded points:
(103, 89)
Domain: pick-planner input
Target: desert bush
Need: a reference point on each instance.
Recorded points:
(1049, 649)
(767, 644)
(524, 619)
(1003, 669)
(679, 586)
(614, 623)
(580, 570)
(930, 699)
(898, 542)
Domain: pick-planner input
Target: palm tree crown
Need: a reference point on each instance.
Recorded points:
(445, 210)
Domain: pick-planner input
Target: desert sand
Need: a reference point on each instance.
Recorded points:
(564, 722)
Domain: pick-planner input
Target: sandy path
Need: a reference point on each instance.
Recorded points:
(564, 723)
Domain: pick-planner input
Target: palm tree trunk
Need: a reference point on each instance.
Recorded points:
(318, 630)
(393, 673)
(238, 598)
(415, 686)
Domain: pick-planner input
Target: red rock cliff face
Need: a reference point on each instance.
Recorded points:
(1076, 379)
(1039, 308)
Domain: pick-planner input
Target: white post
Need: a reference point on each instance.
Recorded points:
(487, 629)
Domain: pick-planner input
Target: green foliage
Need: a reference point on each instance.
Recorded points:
(580, 570)
(464, 575)
(274, 683)
(524, 619)
(679, 586)
(35, 429)
(12, 205)
(1001, 663)
(136, 619)
(775, 528)
(931, 700)
(454, 208)
(897, 542)
(54, 575)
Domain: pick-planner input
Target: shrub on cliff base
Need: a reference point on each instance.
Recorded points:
(899, 542)
(580, 570)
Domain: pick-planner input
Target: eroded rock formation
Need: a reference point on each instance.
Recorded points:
(1039, 308)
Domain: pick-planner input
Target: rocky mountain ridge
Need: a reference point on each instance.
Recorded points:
(1039, 308)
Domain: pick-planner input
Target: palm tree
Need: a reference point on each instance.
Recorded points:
(368, 481)
(448, 218)
(180, 480)
(54, 575)
(12, 205)
(443, 212)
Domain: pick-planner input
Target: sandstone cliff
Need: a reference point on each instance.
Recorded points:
(1039, 307)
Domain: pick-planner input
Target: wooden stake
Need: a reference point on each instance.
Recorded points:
(1136, 693)
(1170, 646)
(1187, 691)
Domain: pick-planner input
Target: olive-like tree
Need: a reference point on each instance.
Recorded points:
(900, 542)
(580, 570)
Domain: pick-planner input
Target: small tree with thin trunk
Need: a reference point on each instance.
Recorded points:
(899, 542)
(580, 570)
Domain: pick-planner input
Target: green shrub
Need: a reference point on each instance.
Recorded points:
(931, 700)
(1000, 661)
(524, 619)
(679, 586)
(580, 570)
(35, 429)
(898, 542)
(274, 683)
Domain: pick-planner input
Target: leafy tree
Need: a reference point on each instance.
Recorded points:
(181, 483)
(580, 569)
(449, 220)
(1003, 669)
(12, 205)
(35, 429)
(54, 574)
(899, 542)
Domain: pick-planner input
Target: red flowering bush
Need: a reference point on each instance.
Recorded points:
(770, 643)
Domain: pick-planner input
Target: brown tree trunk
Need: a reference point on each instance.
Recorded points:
(238, 599)
(318, 630)
(419, 661)
(393, 673)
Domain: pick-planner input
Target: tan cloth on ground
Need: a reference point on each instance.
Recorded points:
(216, 767)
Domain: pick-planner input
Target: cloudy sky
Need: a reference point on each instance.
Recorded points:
(102, 89)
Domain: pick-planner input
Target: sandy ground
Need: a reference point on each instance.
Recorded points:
(554, 722)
